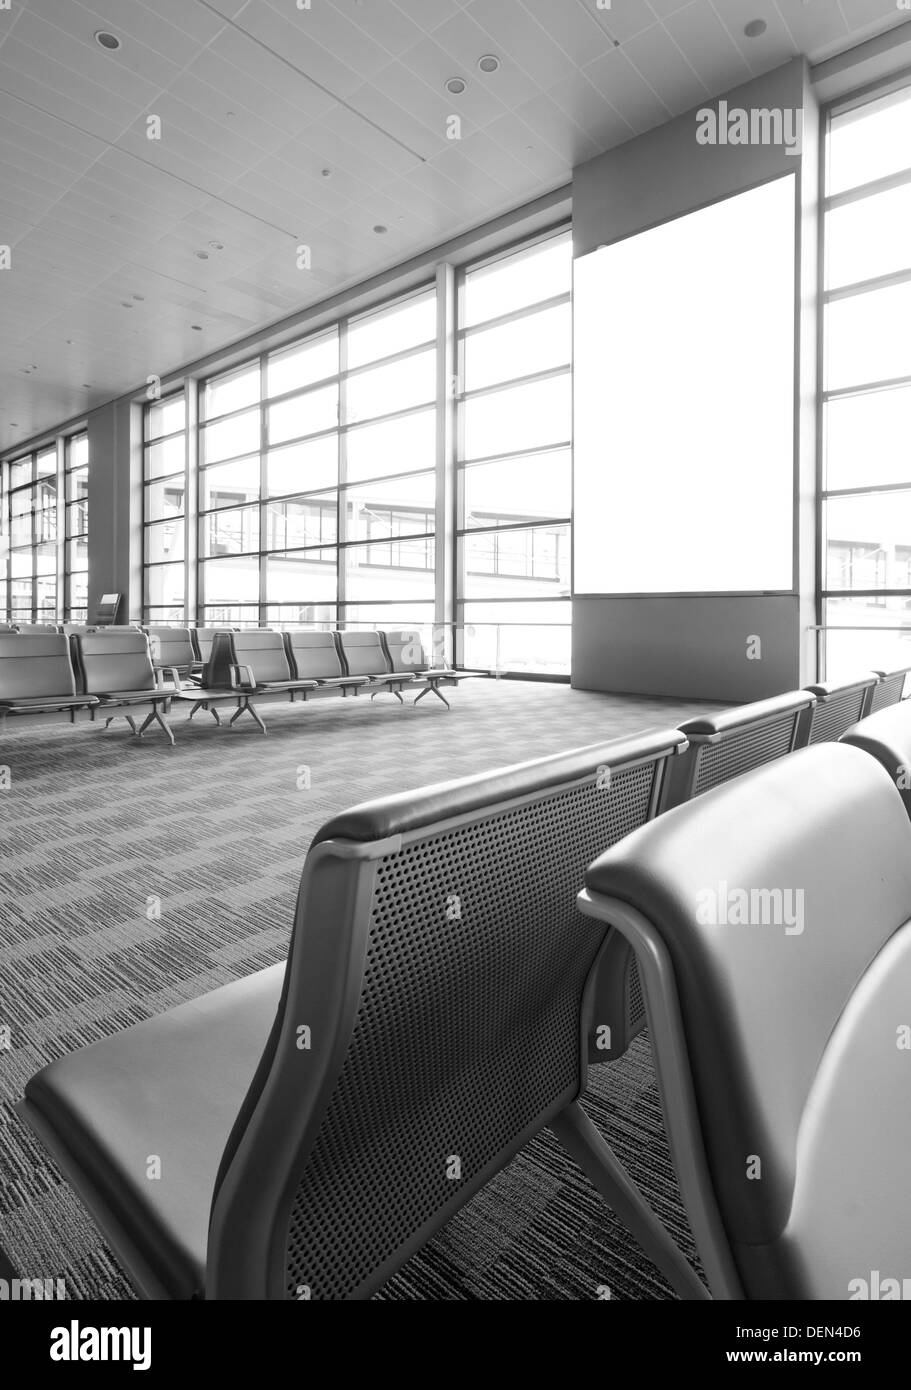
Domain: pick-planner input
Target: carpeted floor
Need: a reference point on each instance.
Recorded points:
(135, 877)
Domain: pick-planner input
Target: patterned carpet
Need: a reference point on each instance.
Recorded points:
(135, 877)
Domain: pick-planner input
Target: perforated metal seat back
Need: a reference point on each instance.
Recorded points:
(466, 1022)
(742, 751)
(363, 653)
(315, 655)
(832, 717)
(114, 661)
(888, 692)
(35, 664)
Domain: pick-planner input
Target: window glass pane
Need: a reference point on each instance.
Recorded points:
(21, 562)
(21, 522)
(395, 446)
(165, 585)
(227, 484)
(303, 467)
(231, 532)
(302, 577)
(393, 330)
(869, 237)
(298, 522)
(77, 485)
(870, 142)
(232, 392)
(46, 560)
(164, 540)
(322, 617)
(532, 563)
(166, 417)
(868, 541)
(302, 365)
(528, 488)
(850, 654)
(868, 438)
(232, 580)
(47, 463)
(239, 435)
(164, 500)
(520, 348)
(77, 557)
(46, 514)
(519, 417)
(522, 279)
(381, 617)
(165, 458)
(20, 472)
(389, 571)
(397, 386)
(77, 519)
(77, 451)
(307, 414)
(230, 615)
(399, 507)
(532, 637)
(161, 617)
(868, 337)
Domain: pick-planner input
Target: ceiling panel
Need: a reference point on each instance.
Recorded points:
(282, 126)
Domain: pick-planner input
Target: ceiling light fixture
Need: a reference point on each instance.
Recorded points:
(196, 327)
(217, 245)
(489, 62)
(455, 86)
(326, 173)
(201, 255)
(755, 28)
(125, 304)
(380, 229)
(106, 40)
(139, 298)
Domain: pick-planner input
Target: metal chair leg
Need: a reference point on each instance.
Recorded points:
(132, 722)
(604, 1170)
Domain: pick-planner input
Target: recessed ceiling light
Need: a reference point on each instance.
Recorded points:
(755, 28)
(230, 115)
(125, 304)
(217, 245)
(139, 298)
(196, 327)
(380, 229)
(201, 255)
(455, 86)
(87, 385)
(106, 40)
(489, 63)
(69, 342)
(14, 424)
(325, 173)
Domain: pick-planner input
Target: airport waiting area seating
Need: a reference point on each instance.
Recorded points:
(405, 652)
(838, 705)
(322, 1118)
(886, 736)
(173, 649)
(777, 970)
(116, 667)
(37, 677)
(724, 745)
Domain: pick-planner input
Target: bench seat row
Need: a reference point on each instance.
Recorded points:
(325, 1116)
(129, 673)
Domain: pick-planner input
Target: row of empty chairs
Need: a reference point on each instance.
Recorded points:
(145, 672)
(446, 986)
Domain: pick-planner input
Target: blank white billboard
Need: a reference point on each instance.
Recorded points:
(684, 403)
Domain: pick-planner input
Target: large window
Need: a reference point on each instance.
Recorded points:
(76, 497)
(317, 475)
(44, 559)
(164, 509)
(514, 471)
(866, 501)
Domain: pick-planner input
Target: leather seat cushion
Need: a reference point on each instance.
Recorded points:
(171, 1086)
